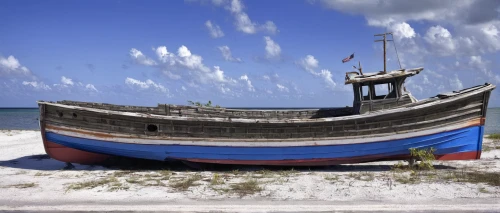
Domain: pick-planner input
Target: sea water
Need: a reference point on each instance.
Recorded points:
(27, 119)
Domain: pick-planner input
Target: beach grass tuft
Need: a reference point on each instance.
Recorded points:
(495, 136)
(246, 188)
(22, 185)
(183, 185)
(112, 183)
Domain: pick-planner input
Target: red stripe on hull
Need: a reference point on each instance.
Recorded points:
(334, 161)
(70, 155)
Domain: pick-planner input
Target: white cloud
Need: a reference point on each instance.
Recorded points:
(11, 66)
(455, 83)
(226, 53)
(164, 56)
(282, 88)
(402, 30)
(214, 30)
(37, 85)
(309, 63)
(148, 84)
(382, 13)
(273, 49)
(10, 63)
(236, 6)
(244, 24)
(249, 83)
(67, 81)
(242, 21)
(270, 27)
(441, 40)
(327, 77)
(188, 66)
(140, 58)
(477, 63)
(91, 87)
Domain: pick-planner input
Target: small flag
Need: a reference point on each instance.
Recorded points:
(348, 58)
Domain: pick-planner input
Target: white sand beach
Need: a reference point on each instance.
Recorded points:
(30, 180)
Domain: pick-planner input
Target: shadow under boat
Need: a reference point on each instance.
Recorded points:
(43, 162)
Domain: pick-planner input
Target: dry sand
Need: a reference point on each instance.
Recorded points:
(29, 180)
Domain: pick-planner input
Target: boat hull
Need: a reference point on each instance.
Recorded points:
(452, 124)
(459, 144)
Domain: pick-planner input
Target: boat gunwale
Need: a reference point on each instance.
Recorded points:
(401, 109)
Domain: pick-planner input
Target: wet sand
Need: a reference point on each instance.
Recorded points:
(30, 180)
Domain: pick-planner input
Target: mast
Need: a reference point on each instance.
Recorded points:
(385, 42)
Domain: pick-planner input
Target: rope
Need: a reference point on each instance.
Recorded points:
(396, 51)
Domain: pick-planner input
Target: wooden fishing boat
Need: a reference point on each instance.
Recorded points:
(377, 127)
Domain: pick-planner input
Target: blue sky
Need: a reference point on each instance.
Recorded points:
(237, 53)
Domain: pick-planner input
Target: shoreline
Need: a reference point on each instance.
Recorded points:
(30, 180)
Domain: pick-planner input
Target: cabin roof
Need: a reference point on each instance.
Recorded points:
(355, 77)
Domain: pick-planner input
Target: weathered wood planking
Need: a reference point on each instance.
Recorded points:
(434, 115)
(193, 111)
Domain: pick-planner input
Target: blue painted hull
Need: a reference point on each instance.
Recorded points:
(465, 141)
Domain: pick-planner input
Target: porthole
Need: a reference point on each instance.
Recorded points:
(75, 115)
(152, 128)
(60, 114)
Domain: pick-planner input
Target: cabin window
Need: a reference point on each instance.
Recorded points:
(384, 91)
(365, 90)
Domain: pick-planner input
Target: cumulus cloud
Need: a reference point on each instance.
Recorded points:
(143, 85)
(455, 83)
(66, 81)
(226, 53)
(189, 67)
(282, 88)
(242, 21)
(37, 85)
(10, 66)
(328, 78)
(402, 30)
(381, 13)
(270, 27)
(249, 83)
(140, 58)
(309, 63)
(440, 38)
(273, 49)
(475, 22)
(91, 88)
(214, 30)
(476, 63)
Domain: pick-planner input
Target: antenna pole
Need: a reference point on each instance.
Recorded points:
(385, 42)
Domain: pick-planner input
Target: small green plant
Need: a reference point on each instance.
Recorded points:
(216, 180)
(483, 190)
(199, 104)
(425, 158)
